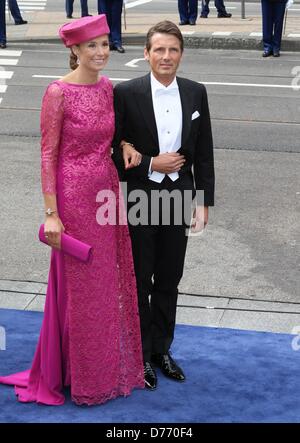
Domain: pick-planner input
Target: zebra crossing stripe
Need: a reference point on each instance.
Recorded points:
(8, 61)
(9, 53)
(30, 8)
(6, 74)
(30, 5)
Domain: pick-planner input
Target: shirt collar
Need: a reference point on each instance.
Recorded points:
(157, 86)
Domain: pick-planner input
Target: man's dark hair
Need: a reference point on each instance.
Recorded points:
(165, 27)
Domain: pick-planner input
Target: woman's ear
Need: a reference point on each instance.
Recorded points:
(74, 49)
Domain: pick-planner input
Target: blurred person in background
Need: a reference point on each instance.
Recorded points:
(188, 12)
(15, 12)
(113, 11)
(272, 24)
(84, 8)
(2, 25)
(220, 7)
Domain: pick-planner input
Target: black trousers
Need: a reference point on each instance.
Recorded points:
(2, 22)
(158, 253)
(83, 4)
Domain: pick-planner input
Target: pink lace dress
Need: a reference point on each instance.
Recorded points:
(90, 337)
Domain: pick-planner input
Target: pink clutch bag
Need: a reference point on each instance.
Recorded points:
(70, 246)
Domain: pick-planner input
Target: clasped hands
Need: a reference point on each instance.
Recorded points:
(164, 163)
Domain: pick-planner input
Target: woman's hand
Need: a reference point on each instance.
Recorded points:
(131, 156)
(53, 229)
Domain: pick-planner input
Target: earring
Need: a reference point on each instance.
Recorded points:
(78, 61)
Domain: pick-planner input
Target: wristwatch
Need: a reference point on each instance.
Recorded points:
(50, 211)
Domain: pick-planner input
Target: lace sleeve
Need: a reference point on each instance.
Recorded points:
(51, 124)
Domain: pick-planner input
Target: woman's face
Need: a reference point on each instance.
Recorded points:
(93, 55)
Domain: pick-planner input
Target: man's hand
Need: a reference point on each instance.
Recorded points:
(200, 219)
(168, 162)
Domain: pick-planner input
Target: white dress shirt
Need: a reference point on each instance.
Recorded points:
(168, 117)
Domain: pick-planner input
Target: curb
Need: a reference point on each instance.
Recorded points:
(201, 41)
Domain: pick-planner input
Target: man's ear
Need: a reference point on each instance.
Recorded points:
(146, 54)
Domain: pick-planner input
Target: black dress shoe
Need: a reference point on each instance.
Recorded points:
(22, 22)
(149, 376)
(276, 54)
(192, 23)
(168, 366)
(70, 16)
(267, 53)
(2, 45)
(225, 15)
(183, 23)
(118, 48)
(203, 16)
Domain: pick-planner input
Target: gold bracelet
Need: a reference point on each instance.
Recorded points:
(126, 143)
(50, 211)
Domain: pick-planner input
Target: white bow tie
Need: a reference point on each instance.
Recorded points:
(166, 91)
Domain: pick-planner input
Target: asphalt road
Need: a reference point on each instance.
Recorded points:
(170, 6)
(254, 103)
(251, 245)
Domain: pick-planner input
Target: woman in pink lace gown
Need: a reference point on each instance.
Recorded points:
(90, 337)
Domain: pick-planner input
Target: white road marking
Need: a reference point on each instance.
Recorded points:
(119, 79)
(133, 63)
(222, 33)
(113, 79)
(227, 7)
(136, 3)
(255, 34)
(30, 8)
(252, 85)
(6, 74)
(257, 85)
(7, 61)
(294, 35)
(47, 76)
(9, 53)
(30, 3)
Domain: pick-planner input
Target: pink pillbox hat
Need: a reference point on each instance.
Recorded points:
(83, 29)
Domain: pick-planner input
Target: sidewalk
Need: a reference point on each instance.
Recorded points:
(213, 32)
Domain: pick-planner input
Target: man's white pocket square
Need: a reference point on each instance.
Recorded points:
(195, 115)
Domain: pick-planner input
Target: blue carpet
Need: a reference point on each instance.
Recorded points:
(232, 376)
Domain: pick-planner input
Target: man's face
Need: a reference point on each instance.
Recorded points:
(164, 56)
